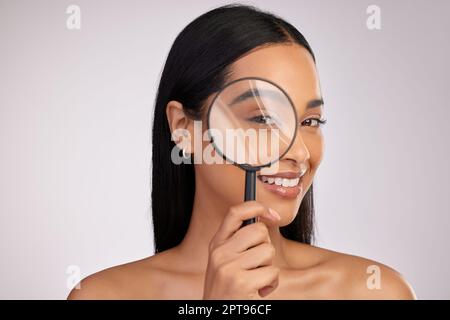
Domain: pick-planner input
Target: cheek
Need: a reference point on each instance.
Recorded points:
(315, 145)
(223, 182)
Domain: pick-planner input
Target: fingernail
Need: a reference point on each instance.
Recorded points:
(274, 214)
(265, 291)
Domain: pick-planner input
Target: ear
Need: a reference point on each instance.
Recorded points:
(179, 123)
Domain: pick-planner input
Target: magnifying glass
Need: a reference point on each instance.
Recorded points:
(252, 123)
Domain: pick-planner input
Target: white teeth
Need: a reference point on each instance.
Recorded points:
(281, 181)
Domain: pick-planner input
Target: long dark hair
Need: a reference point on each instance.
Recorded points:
(197, 66)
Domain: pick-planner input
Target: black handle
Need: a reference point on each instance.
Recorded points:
(250, 191)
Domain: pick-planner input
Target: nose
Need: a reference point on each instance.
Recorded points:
(298, 153)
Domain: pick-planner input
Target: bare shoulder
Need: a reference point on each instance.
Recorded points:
(354, 277)
(123, 281)
(369, 279)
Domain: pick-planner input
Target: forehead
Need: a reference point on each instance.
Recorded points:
(290, 66)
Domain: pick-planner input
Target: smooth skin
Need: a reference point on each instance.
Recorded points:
(219, 260)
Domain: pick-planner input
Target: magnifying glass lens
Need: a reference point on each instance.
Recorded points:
(252, 122)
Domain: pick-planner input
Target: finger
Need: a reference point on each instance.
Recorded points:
(262, 277)
(237, 214)
(259, 256)
(247, 237)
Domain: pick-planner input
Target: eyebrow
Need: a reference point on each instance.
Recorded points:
(251, 93)
(314, 103)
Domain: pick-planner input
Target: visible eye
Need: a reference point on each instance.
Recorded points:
(313, 122)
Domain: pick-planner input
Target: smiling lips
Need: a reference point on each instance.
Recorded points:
(286, 184)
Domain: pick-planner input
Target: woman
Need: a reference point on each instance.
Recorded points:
(202, 251)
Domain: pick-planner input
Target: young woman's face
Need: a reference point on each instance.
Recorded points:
(292, 68)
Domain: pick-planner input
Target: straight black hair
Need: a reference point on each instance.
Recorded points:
(197, 66)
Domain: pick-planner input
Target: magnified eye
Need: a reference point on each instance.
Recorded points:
(263, 119)
(267, 119)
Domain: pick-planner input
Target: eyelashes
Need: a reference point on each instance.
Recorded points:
(313, 122)
(263, 119)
